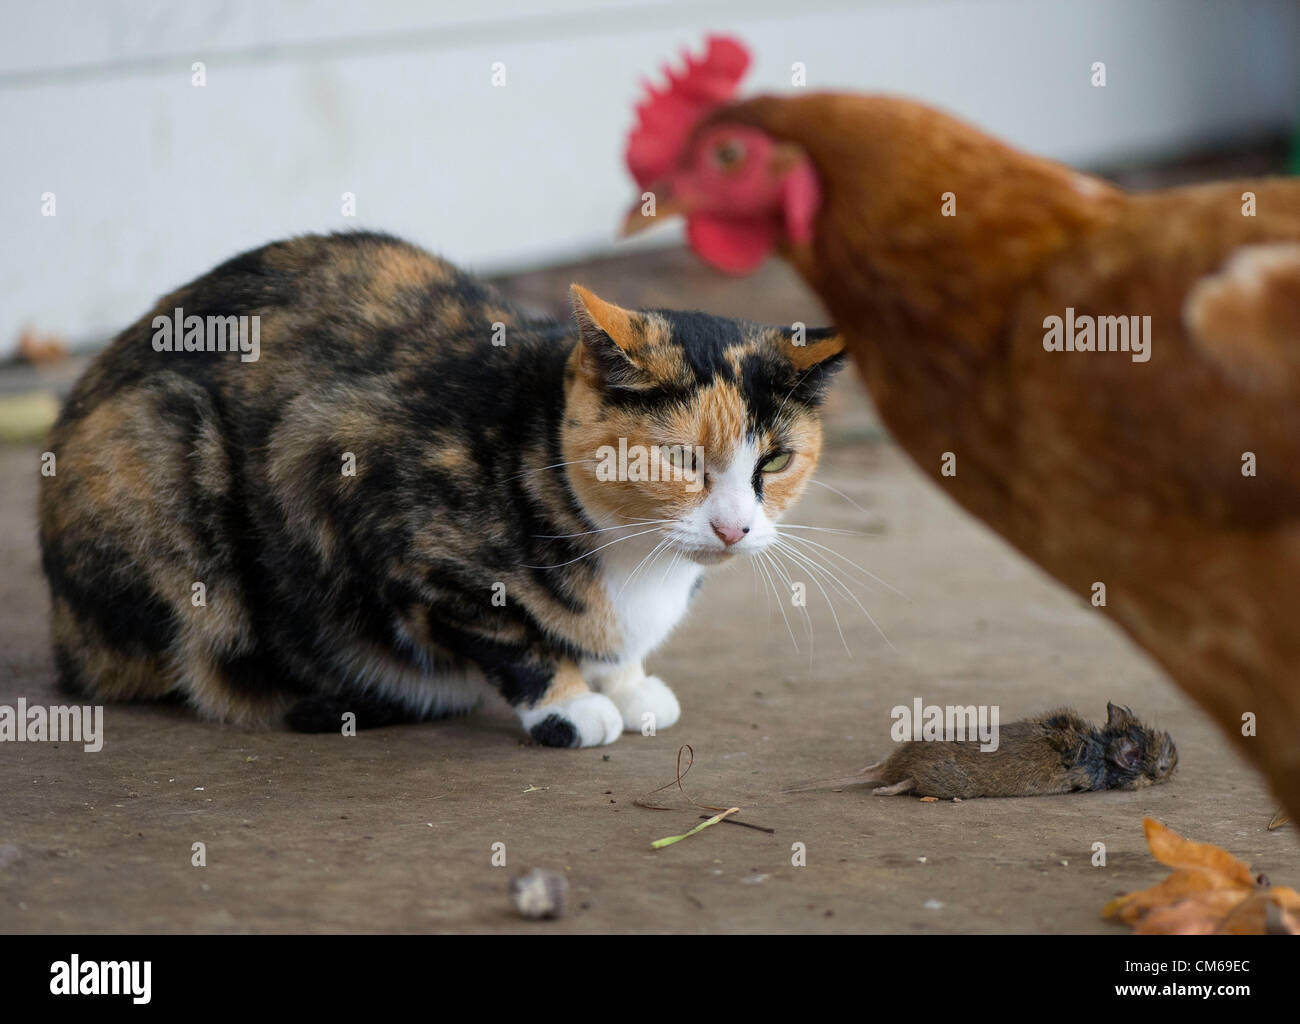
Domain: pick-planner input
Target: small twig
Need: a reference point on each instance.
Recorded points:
(669, 840)
(681, 774)
(724, 813)
(747, 824)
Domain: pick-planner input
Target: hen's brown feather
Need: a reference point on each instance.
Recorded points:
(1100, 468)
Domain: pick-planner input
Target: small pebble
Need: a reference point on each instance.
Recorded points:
(539, 893)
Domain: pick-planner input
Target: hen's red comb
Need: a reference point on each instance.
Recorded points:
(666, 117)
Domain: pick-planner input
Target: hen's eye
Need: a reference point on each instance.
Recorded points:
(776, 463)
(730, 153)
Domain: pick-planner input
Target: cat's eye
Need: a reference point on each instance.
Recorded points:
(776, 463)
(729, 153)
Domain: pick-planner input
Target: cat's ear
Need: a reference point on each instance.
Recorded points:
(815, 346)
(817, 354)
(610, 338)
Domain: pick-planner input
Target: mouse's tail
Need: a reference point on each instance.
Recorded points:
(869, 776)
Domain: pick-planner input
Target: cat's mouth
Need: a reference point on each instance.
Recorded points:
(716, 556)
(710, 556)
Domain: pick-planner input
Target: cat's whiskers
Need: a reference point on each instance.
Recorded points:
(753, 568)
(803, 553)
(843, 558)
(779, 547)
(761, 562)
(616, 540)
(809, 561)
(782, 525)
(788, 580)
(605, 529)
(648, 557)
(806, 560)
(793, 387)
(672, 564)
(556, 465)
(836, 490)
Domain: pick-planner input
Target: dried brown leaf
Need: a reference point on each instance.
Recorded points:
(1168, 847)
(1209, 892)
(1182, 884)
(1200, 915)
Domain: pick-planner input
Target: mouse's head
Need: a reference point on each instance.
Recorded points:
(1136, 755)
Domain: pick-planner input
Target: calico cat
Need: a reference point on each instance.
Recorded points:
(407, 493)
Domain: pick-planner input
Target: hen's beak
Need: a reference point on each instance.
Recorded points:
(646, 213)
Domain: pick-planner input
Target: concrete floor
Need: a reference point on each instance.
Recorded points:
(393, 830)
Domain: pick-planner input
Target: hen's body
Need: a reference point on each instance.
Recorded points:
(1100, 468)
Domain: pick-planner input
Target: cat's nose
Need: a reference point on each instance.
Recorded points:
(727, 533)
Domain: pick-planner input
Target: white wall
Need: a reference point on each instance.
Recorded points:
(156, 180)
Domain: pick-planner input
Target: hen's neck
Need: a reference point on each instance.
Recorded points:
(929, 236)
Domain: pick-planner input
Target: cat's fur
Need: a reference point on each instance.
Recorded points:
(473, 548)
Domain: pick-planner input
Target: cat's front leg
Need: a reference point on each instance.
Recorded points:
(645, 703)
(568, 714)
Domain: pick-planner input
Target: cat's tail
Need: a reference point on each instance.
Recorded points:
(872, 774)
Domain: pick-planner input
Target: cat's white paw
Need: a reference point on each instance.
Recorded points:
(649, 696)
(587, 720)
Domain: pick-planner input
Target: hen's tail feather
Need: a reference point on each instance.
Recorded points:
(870, 775)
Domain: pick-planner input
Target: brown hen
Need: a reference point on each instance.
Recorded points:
(1167, 468)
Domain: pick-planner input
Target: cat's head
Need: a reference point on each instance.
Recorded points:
(703, 426)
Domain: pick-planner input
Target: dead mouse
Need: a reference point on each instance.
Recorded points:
(1059, 752)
